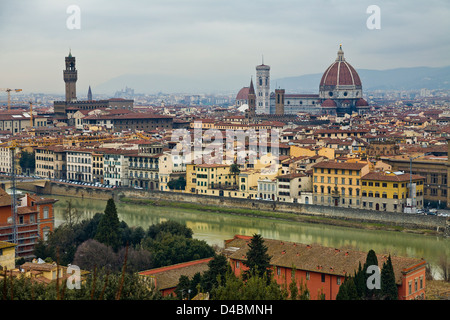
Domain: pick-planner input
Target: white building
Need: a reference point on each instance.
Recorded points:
(267, 189)
(79, 165)
(115, 167)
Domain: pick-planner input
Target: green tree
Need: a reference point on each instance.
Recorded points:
(258, 261)
(371, 260)
(255, 288)
(218, 267)
(172, 227)
(71, 215)
(234, 170)
(389, 290)
(108, 230)
(293, 289)
(27, 161)
(360, 282)
(170, 249)
(183, 288)
(178, 184)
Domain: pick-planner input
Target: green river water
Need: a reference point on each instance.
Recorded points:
(214, 228)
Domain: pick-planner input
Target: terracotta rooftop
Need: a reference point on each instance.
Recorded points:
(317, 258)
(340, 165)
(167, 277)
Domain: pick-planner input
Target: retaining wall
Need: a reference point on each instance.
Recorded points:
(412, 221)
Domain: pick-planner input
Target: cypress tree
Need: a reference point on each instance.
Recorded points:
(389, 289)
(343, 291)
(360, 283)
(371, 260)
(258, 261)
(108, 230)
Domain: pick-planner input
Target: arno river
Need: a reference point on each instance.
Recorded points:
(214, 228)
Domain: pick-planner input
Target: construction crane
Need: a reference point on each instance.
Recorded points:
(31, 114)
(9, 95)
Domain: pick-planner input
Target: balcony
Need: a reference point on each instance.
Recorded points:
(223, 187)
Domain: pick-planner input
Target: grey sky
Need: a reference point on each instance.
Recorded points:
(217, 41)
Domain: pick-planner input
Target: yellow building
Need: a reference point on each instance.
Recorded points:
(48, 272)
(7, 255)
(389, 191)
(213, 179)
(338, 183)
(297, 151)
(191, 178)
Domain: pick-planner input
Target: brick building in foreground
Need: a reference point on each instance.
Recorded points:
(323, 269)
(35, 220)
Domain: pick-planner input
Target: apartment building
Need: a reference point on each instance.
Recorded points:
(50, 162)
(323, 269)
(143, 166)
(214, 179)
(79, 165)
(390, 191)
(35, 220)
(5, 160)
(338, 183)
(433, 168)
(267, 189)
(171, 167)
(290, 187)
(97, 166)
(115, 167)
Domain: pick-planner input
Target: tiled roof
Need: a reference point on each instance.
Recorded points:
(396, 177)
(167, 277)
(316, 258)
(5, 198)
(340, 165)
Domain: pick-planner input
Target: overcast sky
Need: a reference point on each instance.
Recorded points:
(214, 40)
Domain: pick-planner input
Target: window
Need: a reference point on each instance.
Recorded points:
(338, 281)
(323, 277)
(307, 275)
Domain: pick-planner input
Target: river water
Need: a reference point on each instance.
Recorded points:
(214, 228)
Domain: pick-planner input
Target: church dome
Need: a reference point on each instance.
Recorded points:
(361, 103)
(340, 73)
(329, 104)
(243, 94)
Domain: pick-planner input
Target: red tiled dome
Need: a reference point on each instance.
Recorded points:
(340, 73)
(329, 104)
(243, 94)
(361, 103)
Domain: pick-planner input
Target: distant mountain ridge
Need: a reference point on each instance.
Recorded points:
(414, 78)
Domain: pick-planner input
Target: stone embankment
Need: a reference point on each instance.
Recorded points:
(435, 224)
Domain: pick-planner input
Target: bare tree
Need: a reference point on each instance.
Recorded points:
(444, 265)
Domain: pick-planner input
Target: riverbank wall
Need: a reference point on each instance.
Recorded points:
(440, 225)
